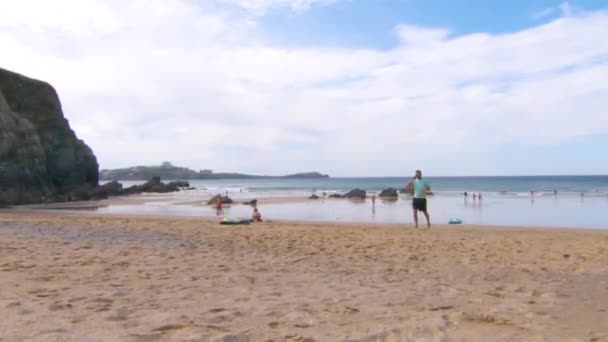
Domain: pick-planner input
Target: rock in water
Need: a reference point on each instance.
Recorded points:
(253, 202)
(389, 193)
(356, 193)
(41, 158)
(225, 200)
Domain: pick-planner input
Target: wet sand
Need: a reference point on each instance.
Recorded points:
(71, 277)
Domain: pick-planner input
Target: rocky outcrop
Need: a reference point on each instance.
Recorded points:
(225, 200)
(253, 202)
(156, 186)
(356, 193)
(335, 196)
(389, 193)
(41, 159)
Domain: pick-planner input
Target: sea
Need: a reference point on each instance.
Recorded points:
(531, 201)
(441, 186)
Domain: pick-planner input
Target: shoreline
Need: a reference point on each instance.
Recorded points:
(81, 213)
(545, 213)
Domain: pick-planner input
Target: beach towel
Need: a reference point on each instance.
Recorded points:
(233, 221)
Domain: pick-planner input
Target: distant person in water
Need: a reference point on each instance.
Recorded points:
(465, 195)
(479, 196)
(474, 196)
(420, 187)
(219, 210)
(256, 216)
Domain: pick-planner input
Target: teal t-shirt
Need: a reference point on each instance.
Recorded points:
(419, 187)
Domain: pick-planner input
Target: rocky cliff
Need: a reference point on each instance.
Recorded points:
(40, 156)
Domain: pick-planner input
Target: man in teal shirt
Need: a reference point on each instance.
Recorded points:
(420, 187)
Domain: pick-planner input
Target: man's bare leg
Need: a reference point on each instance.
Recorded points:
(416, 217)
(428, 220)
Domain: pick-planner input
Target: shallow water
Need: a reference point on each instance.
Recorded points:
(509, 186)
(543, 211)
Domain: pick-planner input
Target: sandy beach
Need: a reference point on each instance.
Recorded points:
(84, 277)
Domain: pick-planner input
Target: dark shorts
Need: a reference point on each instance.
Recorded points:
(419, 204)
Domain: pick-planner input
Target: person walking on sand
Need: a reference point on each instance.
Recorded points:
(420, 187)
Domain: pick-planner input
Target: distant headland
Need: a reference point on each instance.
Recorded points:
(168, 171)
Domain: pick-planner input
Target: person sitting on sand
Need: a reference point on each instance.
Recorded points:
(256, 216)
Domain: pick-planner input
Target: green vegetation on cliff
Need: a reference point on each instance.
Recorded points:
(168, 171)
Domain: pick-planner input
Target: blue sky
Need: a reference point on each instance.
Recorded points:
(370, 23)
(345, 87)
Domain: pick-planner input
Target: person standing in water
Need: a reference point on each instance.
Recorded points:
(373, 204)
(219, 210)
(420, 187)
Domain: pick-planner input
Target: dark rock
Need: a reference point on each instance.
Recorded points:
(82, 193)
(253, 202)
(155, 185)
(41, 158)
(389, 193)
(152, 186)
(313, 197)
(335, 196)
(225, 200)
(112, 188)
(404, 191)
(356, 193)
(132, 190)
(181, 184)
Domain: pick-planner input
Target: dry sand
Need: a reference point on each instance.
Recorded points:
(69, 277)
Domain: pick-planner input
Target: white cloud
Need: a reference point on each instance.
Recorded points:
(261, 6)
(543, 13)
(147, 81)
(565, 9)
(410, 34)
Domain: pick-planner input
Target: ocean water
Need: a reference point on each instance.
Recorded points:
(442, 186)
(580, 202)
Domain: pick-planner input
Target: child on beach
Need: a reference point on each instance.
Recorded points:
(256, 216)
(218, 206)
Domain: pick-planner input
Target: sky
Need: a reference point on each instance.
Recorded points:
(344, 87)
